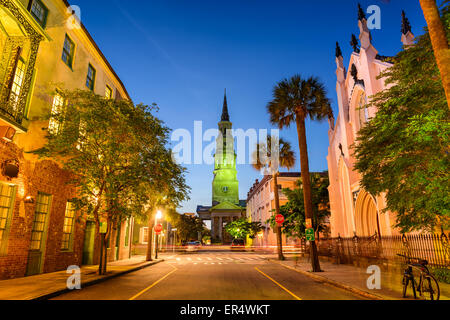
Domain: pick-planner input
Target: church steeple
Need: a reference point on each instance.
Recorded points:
(225, 115)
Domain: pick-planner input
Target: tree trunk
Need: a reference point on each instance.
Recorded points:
(105, 255)
(439, 41)
(277, 212)
(151, 225)
(306, 181)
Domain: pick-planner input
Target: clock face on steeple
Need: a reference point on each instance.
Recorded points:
(225, 189)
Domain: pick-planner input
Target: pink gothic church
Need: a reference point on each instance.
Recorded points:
(353, 210)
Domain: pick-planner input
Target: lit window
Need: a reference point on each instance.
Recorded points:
(39, 12)
(17, 84)
(69, 219)
(68, 51)
(108, 92)
(82, 135)
(6, 206)
(90, 79)
(143, 235)
(57, 108)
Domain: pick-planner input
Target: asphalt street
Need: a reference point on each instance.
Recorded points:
(212, 276)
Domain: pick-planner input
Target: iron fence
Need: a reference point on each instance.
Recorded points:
(434, 248)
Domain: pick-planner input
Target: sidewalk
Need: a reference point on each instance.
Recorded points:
(46, 285)
(354, 279)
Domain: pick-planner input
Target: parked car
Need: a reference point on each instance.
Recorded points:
(193, 246)
(238, 245)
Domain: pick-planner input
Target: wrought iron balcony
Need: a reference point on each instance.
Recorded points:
(12, 109)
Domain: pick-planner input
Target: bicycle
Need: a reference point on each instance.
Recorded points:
(428, 287)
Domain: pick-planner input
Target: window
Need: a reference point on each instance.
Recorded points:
(39, 11)
(143, 235)
(90, 79)
(40, 220)
(7, 193)
(68, 229)
(108, 92)
(127, 233)
(82, 135)
(57, 108)
(17, 84)
(363, 112)
(68, 51)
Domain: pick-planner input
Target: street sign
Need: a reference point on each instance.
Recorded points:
(310, 235)
(309, 223)
(279, 219)
(158, 228)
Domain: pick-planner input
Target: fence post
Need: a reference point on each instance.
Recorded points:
(356, 250)
(445, 248)
(338, 249)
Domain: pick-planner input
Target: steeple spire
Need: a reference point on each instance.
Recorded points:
(338, 50)
(406, 26)
(225, 115)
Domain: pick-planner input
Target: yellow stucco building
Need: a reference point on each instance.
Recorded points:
(44, 47)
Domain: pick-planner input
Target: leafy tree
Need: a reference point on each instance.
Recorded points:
(293, 101)
(404, 150)
(294, 211)
(242, 228)
(113, 149)
(269, 156)
(189, 227)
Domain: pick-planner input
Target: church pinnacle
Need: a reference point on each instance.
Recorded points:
(225, 115)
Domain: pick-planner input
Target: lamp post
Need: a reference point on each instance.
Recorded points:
(158, 216)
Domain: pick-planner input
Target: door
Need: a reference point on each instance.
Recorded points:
(89, 242)
(39, 235)
(118, 234)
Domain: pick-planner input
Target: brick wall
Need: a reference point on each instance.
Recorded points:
(41, 176)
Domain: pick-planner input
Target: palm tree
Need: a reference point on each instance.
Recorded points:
(294, 100)
(269, 156)
(439, 41)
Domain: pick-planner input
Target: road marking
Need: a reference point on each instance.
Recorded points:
(220, 259)
(278, 284)
(210, 259)
(190, 259)
(178, 259)
(199, 259)
(154, 284)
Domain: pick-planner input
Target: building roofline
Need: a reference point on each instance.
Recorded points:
(282, 175)
(101, 54)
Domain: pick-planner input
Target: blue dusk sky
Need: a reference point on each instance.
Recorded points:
(181, 54)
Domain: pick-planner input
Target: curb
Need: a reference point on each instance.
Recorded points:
(333, 282)
(54, 294)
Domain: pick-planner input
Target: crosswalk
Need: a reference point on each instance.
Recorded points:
(216, 259)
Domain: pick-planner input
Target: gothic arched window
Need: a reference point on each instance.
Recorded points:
(362, 111)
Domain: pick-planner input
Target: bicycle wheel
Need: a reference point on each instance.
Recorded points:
(430, 288)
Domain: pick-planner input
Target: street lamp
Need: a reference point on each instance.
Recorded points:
(157, 217)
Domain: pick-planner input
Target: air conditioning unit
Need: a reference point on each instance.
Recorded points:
(7, 133)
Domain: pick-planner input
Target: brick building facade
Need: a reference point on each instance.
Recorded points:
(40, 52)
